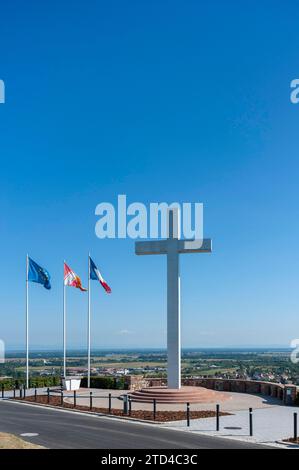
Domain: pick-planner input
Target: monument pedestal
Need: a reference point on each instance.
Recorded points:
(178, 395)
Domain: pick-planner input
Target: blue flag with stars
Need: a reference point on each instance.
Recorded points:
(38, 274)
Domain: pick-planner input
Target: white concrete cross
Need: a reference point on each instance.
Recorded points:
(173, 246)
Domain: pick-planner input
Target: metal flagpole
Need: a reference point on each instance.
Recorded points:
(27, 325)
(64, 327)
(88, 326)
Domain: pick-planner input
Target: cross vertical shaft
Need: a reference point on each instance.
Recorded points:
(173, 317)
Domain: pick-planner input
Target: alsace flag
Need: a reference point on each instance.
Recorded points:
(71, 278)
(38, 274)
(97, 276)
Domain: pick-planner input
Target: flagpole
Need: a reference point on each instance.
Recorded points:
(88, 326)
(64, 327)
(27, 325)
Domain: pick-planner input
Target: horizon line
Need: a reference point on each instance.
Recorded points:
(149, 348)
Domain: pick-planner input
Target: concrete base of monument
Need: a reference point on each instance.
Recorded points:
(182, 395)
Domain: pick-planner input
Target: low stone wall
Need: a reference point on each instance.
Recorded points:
(136, 382)
(286, 393)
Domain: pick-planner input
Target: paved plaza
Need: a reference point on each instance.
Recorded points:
(272, 421)
(270, 424)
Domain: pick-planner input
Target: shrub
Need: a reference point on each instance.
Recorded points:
(114, 383)
(37, 382)
(44, 381)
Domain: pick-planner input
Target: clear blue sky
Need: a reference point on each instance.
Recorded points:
(162, 101)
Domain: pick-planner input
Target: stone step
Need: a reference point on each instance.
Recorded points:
(166, 401)
(170, 396)
(182, 395)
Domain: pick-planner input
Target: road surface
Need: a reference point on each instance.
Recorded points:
(66, 430)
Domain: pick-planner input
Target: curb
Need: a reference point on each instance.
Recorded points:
(285, 443)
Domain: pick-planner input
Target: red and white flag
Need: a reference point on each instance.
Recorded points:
(96, 275)
(71, 278)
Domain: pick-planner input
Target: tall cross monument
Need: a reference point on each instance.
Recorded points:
(173, 246)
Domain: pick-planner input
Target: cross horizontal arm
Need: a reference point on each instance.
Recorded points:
(157, 247)
(195, 246)
(160, 247)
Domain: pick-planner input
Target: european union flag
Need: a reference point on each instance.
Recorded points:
(38, 274)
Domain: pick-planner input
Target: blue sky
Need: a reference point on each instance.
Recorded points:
(162, 101)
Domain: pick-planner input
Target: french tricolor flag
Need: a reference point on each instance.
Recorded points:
(96, 275)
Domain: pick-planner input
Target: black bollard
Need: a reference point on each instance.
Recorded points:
(217, 417)
(188, 414)
(109, 405)
(24, 391)
(250, 422)
(90, 400)
(75, 399)
(130, 406)
(35, 394)
(154, 408)
(125, 400)
(295, 427)
(20, 389)
(2, 390)
(48, 395)
(14, 392)
(61, 398)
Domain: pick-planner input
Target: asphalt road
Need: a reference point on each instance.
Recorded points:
(64, 430)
